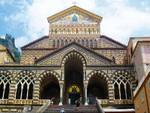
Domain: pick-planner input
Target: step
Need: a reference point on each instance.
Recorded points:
(72, 109)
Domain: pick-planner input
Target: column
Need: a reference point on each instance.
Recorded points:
(61, 84)
(85, 92)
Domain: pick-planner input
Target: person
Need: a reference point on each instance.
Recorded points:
(52, 100)
(62, 110)
(77, 102)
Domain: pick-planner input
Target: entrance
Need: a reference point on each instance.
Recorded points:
(73, 69)
(74, 94)
(97, 87)
(50, 88)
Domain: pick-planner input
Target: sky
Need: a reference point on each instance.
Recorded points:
(26, 20)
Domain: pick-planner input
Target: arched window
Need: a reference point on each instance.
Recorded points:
(116, 89)
(54, 44)
(87, 43)
(4, 85)
(74, 19)
(122, 89)
(91, 43)
(62, 42)
(58, 42)
(95, 43)
(129, 91)
(89, 30)
(25, 86)
(122, 85)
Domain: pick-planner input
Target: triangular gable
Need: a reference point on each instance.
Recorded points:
(71, 10)
(37, 43)
(113, 42)
(92, 58)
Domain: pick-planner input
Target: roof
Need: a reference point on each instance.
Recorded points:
(112, 40)
(139, 42)
(71, 9)
(31, 43)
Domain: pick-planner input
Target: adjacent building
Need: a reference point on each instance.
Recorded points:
(139, 55)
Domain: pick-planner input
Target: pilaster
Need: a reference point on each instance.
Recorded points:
(110, 91)
(13, 87)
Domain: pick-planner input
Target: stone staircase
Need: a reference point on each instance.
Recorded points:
(72, 109)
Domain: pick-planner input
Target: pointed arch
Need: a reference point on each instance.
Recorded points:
(99, 73)
(24, 84)
(73, 70)
(50, 73)
(97, 85)
(49, 85)
(73, 53)
(5, 81)
(123, 81)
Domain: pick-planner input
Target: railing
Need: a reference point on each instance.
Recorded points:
(115, 101)
(24, 101)
(99, 107)
(44, 101)
(123, 101)
(44, 107)
(103, 101)
(4, 101)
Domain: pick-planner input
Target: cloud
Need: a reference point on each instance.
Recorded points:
(120, 18)
(40, 10)
(124, 20)
(21, 41)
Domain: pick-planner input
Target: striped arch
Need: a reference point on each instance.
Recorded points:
(69, 55)
(25, 84)
(98, 85)
(72, 53)
(100, 73)
(5, 80)
(49, 85)
(50, 72)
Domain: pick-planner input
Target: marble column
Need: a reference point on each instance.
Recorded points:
(85, 92)
(61, 93)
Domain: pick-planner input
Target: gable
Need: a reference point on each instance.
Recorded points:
(39, 43)
(75, 18)
(67, 15)
(55, 58)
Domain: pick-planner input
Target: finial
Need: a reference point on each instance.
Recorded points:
(74, 2)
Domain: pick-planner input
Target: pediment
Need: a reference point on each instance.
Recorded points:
(92, 58)
(72, 14)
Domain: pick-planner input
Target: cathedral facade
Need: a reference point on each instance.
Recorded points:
(74, 61)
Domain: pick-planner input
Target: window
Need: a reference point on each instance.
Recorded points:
(4, 85)
(25, 86)
(74, 19)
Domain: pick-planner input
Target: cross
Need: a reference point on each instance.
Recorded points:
(74, 2)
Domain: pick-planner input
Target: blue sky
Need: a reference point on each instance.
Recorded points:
(26, 20)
